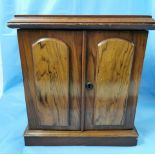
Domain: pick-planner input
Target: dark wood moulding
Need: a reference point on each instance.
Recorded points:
(88, 138)
(117, 22)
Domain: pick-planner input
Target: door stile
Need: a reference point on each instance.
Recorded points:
(83, 80)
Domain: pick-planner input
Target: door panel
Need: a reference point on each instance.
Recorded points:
(51, 62)
(113, 67)
(109, 64)
(51, 74)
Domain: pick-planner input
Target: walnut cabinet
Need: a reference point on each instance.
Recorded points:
(81, 77)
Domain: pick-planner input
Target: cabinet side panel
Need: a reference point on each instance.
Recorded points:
(113, 67)
(29, 88)
(140, 40)
(51, 75)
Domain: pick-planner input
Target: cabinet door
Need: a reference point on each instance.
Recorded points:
(108, 72)
(51, 62)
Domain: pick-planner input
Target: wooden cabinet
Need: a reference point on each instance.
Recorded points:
(81, 76)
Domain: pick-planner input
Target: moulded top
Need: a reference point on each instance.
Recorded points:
(130, 22)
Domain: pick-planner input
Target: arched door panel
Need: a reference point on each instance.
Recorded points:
(51, 74)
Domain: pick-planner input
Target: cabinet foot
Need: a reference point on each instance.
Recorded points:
(87, 138)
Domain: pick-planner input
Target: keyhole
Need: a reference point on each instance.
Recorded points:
(89, 85)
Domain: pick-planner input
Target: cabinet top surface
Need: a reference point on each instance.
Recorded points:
(134, 22)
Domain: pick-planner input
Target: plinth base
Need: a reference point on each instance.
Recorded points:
(87, 138)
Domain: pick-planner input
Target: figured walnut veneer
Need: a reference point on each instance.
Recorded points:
(51, 75)
(113, 68)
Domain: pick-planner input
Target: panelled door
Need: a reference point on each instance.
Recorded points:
(51, 61)
(108, 71)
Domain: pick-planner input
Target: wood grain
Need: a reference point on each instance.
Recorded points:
(113, 67)
(71, 39)
(51, 75)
